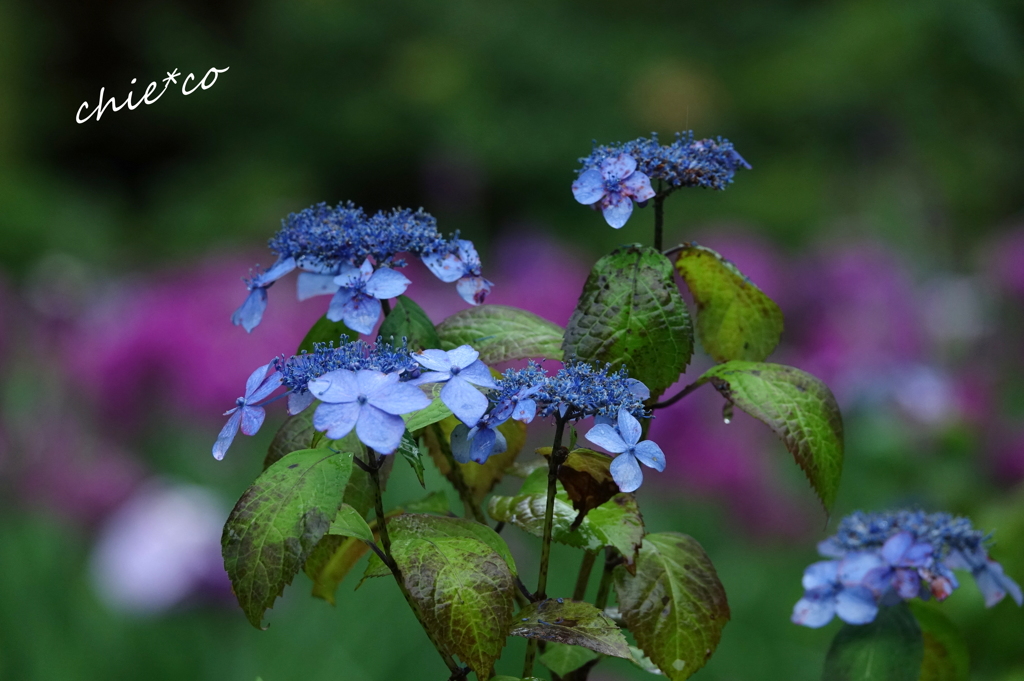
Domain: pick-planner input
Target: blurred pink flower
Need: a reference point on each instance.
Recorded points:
(1004, 259)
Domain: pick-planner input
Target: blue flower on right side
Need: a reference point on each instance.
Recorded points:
(624, 441)
(612, 187)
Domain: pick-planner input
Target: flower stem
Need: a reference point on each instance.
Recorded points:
(457, 672)
(680, 395)
(386, 305)
(659, 218)
(612, 559)
(455, 477)
(580, 592)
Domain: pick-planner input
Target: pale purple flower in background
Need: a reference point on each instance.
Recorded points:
(247, 415)
(159, 548)
(624, 440)
(612, 187)
(250, 314)
(461, 265)
(837, 588)
(360, 290)
(460, 370)
(369, 401)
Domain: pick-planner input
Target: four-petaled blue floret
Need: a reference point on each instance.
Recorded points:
(462, 372)
(613, 186)
(624, 440)
(883, 558)
(247, 414)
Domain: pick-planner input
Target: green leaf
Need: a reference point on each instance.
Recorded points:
(641, 660)
(463, 592)
(325, 331)
(410, 449)
(630, 313)
(429, 415)
(889, 649)
(277, 522)
(294, 434)
(562, 659)
(615, 523)
(798, 407)
(436, 502)
(574, 623)
(674, 605)
(946, 657)
(501, 333)
(408, 320)
(479, 478)
(735, 320)
(348, 523)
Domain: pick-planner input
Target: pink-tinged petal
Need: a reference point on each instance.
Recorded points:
(379, 430)
(467, 253)
(629, 428)
(813, 612)
(462, 356)
(401, 398)
(473, 290)
(252, 419)
(907, 584)
(477, 373)
(638, 186)
(336, 420)
(227, 435)
(360, 312)
(250, 314)
(626, 472)
(855, 566)
(297, 403)
(588, 187)
(821, 575)
(269, 385)
(309, 285)
(435, 360)
(447, 267)
(606, 437)
(462, 446)
(387, 283)
(335, 386)
(650, 455)
(466, 402)
(856, 605)
(617, 209)
(280, 268)
(897, 545)
(255, 378)
(525, 410)
(618, 167)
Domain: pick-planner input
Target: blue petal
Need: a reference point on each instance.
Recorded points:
(483, 445)
(335, 386)
(462, 356)
(626, 472)
(249, 315)
(617, 209)
(461, 444)
(269, 385)
(588, 187)
(353, 277)
(823, 574)
(252, 419)
(379, 430)
(298, 402)
(907, 583)
(477, 373)
(638, 186)
(618, 167)
(856, 605)
(650, 454)
(360, 312)
(447, 267)
(387, 283)
(994, 585)
(255, 378)
(855, 566)
(525, 410)
(309, 285)
(897, 545)
(606, 437)
(466, 402)
(227, 435)
(336, 420)
(435, 360)
(629, 428)
(400, 398)
(280, 268)
(638, 388)
(814, 612)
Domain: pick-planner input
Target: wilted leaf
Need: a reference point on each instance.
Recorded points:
(277, 522)
(888, 649)
(798, 407)
(630, 313)
(587, 479)
(735, 319)
(574, 623)
(501, 333)
(675, 605)
(408, 320)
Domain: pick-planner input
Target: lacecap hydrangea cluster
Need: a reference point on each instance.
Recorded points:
(353, 257)
(613, 176)
(879, 559)
(367, 387)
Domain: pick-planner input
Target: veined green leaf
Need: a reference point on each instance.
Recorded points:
(889, 649)
(501, 333)
(408, 320)
(574, 623)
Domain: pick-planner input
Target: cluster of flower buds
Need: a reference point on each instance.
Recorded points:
(881, 559)
(344, 253)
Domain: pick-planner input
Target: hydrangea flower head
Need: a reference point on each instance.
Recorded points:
(247, 414)
(360, 290)
(459, 262)
(613, 186)
(837, 587)
(624, 441)
(460, 370)
(369, 401)
(581, 389)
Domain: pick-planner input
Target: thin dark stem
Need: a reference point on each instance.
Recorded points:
(583, 578)
(386, 304)
(679, 395)
(374, 466)
(612, 559)
(659, 218)
(455, 476)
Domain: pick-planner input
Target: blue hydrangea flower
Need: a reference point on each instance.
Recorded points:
(247, 414)
(369, 401)
(624, 440)
(903, 557)
(479, 442)
(581, 389)
(250, 313)
(613, 186)
(360, 290)
(460, 370)
(836, 587)
(993, 583)
(460, 263)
